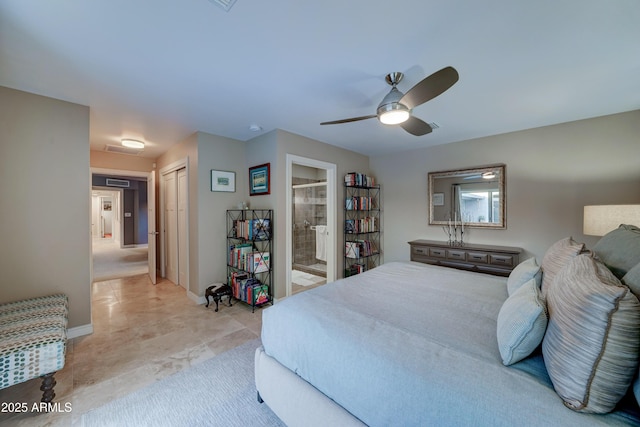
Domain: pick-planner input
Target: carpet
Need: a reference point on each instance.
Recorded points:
(217, 392)
(111, 262)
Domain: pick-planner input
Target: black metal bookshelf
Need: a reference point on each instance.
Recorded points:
(362, 225)
(250, 255)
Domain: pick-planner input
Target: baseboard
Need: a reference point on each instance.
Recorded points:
(195, 298)
(79, 331)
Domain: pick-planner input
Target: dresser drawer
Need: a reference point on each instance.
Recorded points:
(500, 259)
(478, 257)
(420, 251)
(456, 254)
(438, 252)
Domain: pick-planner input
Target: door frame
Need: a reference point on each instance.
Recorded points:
(115, 172)
(172, 167)
(332, 226)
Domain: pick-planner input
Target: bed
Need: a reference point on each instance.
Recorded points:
(414, 344)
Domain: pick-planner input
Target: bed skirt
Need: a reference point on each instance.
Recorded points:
(295, 401)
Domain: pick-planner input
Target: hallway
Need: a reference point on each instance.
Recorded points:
(112, 262)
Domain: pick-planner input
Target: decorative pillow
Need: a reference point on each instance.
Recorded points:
(591, 345)
(632, 280)
(619, 249)
(559, 254)
(524, 272)
(522, 321)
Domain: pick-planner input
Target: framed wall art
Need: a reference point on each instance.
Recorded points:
(223, 181)
(260, 180)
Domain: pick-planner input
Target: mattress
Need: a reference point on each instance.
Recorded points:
(413, 344)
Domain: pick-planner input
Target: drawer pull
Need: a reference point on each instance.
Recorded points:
(437, 253)
(420, 251)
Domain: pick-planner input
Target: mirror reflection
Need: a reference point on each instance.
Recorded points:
(476, 196)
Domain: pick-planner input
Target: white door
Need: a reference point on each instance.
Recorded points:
(182, 227)
(151, 224)
(171, 225)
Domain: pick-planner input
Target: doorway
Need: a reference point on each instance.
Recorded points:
(119, 220)
(311, 223)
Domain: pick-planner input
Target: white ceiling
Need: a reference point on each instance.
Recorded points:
(159, 70)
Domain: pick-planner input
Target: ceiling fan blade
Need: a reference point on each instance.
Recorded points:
(353, 119)
(416, 126)
(430, 87)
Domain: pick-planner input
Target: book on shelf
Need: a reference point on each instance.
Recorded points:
(362, 225)
(362, 203)
(354, 179)
(258, 262)
(252, 229)
(360, 248)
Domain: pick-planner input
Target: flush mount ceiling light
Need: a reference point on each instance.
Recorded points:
(488, 175)
(255, 128)
(132, 143)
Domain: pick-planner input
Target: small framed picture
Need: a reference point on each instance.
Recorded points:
(260, 180)
(223, 181)
(438, 199)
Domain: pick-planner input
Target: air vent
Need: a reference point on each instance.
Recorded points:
(122, 150)
(224, 4)
(122, 183)
(434, 125)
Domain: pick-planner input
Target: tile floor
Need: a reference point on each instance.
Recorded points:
(142, 333)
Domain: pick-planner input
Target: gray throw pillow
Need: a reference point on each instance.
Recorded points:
(524, 272)
(632, 280)
(522, 321)
(591, 345)
(620, 249)
(556, 257)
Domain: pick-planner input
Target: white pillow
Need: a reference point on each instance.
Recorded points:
(522, 322)
(524, 272)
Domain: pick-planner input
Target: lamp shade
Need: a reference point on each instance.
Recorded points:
(601, 219)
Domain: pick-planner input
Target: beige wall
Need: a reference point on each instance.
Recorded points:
(45, 200)
(274, 147)
(105, 160)
(552, 172)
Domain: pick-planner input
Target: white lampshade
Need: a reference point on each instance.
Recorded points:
(601, 219)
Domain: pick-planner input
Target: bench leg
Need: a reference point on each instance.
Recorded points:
(48, 383)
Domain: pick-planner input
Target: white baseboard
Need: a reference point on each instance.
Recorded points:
(195, 298)
(79, 331)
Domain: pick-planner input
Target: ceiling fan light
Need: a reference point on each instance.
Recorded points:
(393, 114)
(132, 143)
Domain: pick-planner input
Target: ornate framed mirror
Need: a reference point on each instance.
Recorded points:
(476, 196)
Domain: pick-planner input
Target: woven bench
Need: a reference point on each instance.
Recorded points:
(33, 341)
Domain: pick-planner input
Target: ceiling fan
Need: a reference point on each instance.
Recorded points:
(395, 108)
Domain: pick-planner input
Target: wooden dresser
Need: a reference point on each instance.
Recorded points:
(497, 260)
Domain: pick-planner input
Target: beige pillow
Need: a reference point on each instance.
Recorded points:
(559, 254)
(591, 345)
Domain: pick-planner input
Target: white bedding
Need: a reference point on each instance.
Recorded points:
(413, 344)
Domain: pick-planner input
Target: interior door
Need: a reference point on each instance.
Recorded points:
(151, 224)
(182, 228)
(171, 226)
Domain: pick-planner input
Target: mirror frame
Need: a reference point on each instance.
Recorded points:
(462, 172)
